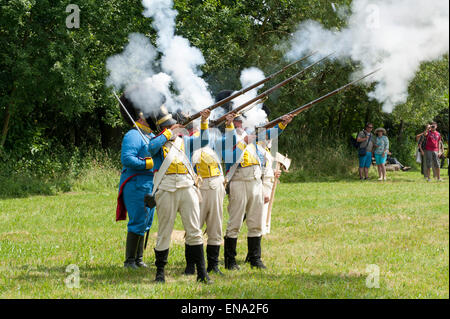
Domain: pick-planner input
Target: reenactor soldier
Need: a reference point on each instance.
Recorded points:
(246, 194)
(207, 164)
(175, 190)
(136, 181)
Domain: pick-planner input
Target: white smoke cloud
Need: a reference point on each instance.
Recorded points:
(133, 65)
(395, 35)
(180, 79)
(255, 115)
(148, 93)
(180, 60)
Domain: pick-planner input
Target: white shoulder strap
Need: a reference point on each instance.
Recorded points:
(235, 165)
(173, 152)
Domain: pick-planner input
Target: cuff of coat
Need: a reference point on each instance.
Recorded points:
(167, 133)
(230, 127)
(282, 126)
(204, 126)
(148, 163)
(241, 145)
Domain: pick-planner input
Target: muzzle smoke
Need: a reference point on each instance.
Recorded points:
(395, 35)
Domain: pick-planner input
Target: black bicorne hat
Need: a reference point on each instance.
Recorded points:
(223, 95)
(266, 109)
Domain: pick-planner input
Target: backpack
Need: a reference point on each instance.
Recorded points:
(422, 141)
(354, 143)
(362, 151)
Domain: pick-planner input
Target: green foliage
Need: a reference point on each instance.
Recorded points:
(322, 157)
(52, 91)
(48, 171)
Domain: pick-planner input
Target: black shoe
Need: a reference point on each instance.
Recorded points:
(140, 253)
(254, 252)
(212, 254)
(199, 259)
(131, 250)
(190, 264)
(160, 263)
(230, 253)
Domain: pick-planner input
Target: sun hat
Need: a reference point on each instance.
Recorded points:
(380, 129)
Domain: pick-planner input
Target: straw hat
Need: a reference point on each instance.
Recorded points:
(380, 129)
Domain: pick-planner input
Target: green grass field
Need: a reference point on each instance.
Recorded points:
(324, 236)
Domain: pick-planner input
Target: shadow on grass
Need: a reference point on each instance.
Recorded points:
(243, 284)
(411, 176)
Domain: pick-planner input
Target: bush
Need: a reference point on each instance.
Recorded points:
(320, 158)
(49, 171)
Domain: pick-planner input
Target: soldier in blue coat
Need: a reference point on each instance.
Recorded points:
(136, 181)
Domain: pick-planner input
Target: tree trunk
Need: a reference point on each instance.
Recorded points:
(368, 115)
(400, 132)
(7, 118)
(5, 127)
(339, 122)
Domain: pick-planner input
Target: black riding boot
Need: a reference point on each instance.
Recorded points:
(230, 253)
(190, 264)
(212, 254)
(254, 252)
(140, 253)
(160, 263)
(198, 256)
(131, 250)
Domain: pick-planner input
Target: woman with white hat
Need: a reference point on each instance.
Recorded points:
(381, 150)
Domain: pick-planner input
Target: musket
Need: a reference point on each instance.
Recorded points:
(242, 111)
(131, 118)
(265, 93)
(310, 104)
(244, 90)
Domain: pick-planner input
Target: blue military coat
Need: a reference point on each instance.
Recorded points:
(136, 181)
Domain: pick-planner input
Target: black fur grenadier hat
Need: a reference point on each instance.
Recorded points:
(134, 112)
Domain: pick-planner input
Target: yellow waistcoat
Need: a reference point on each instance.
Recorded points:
(207, 167)
(177, 166)
(248, 159)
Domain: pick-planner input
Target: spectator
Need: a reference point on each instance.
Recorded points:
(433, 151)
(448, 149)
(442, 158)
(365, 151)
(394, 161)
(421, 141)
(381, 146)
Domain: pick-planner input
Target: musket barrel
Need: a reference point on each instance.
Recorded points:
(265, 93)
(245, 90)
(308, 105)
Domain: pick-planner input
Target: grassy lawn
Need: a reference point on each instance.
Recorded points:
(323, 237)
